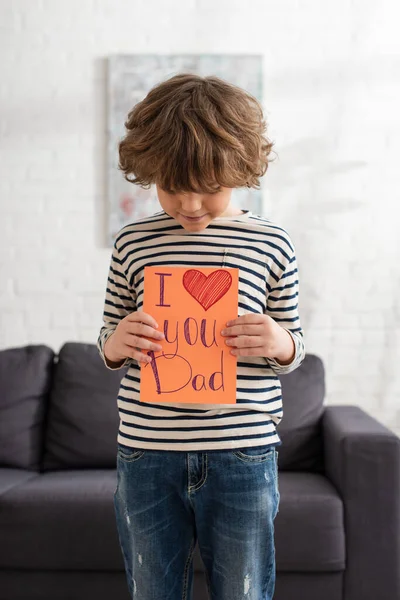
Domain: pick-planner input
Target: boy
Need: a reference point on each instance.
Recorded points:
(201, 472)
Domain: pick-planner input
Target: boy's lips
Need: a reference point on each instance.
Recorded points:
(192, 218)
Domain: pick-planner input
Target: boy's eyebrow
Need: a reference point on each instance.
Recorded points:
(172, 191)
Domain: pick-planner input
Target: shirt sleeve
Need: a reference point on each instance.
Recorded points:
(119, 301)
(283, 307)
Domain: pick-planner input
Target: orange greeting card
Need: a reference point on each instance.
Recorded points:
(191, 307)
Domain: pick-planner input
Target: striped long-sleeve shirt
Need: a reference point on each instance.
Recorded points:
(268, 283)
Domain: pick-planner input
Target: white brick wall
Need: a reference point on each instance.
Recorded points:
(331, 96)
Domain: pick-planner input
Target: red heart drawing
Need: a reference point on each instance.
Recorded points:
(207, 290)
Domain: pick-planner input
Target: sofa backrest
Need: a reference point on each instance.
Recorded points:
(60, 411)
(303, 393)
(25, 382)
(82, 423)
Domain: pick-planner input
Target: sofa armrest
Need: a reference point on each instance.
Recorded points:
(362, 460)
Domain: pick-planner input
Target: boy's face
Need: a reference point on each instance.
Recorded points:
(196, 211)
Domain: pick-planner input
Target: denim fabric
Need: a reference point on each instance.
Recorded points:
(226, 500)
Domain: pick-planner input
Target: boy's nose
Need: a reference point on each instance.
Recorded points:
(191, 205)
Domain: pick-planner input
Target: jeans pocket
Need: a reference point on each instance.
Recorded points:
(129, 454)
(256, 455)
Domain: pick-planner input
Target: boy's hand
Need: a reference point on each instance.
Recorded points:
(127, 339)
(259, 335)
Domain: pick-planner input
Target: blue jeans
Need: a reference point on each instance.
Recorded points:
(226, 500)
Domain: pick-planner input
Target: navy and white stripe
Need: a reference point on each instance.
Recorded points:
(268, 283)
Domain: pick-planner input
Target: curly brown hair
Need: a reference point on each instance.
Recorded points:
(193, 133)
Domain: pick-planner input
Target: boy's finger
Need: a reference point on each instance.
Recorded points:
(250, 318)
(140, 329)
(141, 317)
(249, 329)
(142, 357)
(245, 341)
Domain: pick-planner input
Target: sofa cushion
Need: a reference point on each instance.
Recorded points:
(303, 392)
(10, 477)
(25, 380)
(63, 520)
(309, 526)
(66, 521)
(83, 420)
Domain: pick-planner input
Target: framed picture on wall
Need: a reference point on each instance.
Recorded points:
(130, 78)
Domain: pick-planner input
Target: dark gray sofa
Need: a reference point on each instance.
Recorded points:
(337, 532)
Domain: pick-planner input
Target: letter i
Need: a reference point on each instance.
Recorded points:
(162, 275)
